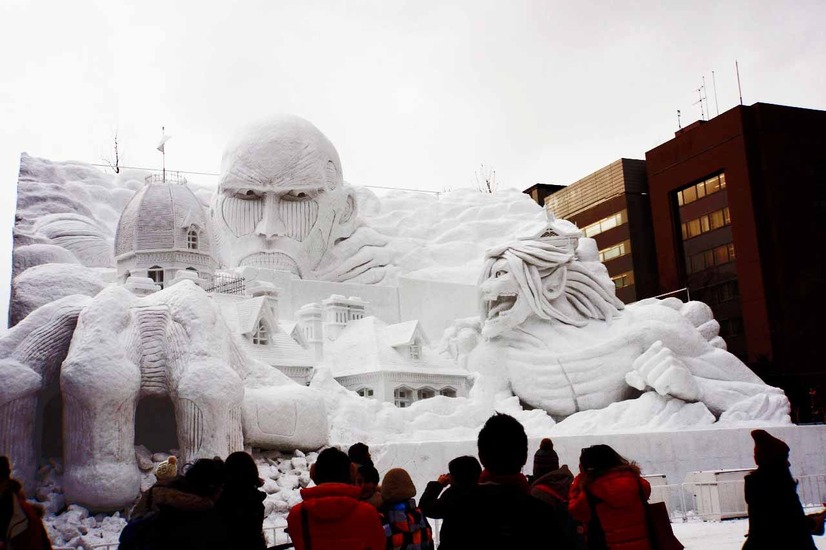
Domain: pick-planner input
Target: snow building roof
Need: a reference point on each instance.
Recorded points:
(402, 334)
(158, 217)
(365, 346)
(281, 350)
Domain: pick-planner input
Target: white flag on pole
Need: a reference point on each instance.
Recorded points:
(164, 139)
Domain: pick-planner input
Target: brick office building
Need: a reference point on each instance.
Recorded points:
(738, 207)
(611, 206)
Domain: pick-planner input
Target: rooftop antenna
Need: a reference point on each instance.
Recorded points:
(679, 124)
(739, 89)
(714, 84)
(162, 148)
(705, 96)
(700, 101)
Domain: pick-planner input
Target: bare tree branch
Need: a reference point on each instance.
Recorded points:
(485, 179)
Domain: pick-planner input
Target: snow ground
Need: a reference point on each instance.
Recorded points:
(719, 535)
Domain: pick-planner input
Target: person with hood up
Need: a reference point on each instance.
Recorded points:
(463, 476)
(776, 518)
(241, 504)
(551, 484)
(405, 527)
(331, 517)
(608, 497)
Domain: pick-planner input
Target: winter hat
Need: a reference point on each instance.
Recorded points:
(545, 459)
(397, 486)
(359, 453)
(768, 450)
(166, 470)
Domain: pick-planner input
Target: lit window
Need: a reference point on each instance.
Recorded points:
(702, 189)
(705, 223)
(426, 393)
(615, 251)
(261, 336)
(447, 392)
(624, 279)
(365, 392)
(192, 239)
(403, 397)
(156, 274)
(605, 224)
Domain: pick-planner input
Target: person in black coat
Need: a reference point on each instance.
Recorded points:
(460, 482)
(776, 518)
(240, 505)
(499, 511)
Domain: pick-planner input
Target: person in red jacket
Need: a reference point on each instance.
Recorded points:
(331, 515)
(608, 497)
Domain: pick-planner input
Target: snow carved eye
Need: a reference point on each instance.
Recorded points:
(500, 273)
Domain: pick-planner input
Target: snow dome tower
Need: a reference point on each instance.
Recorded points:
(163, 230)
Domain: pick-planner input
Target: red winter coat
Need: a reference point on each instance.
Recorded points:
(618, 506)
(337, 519)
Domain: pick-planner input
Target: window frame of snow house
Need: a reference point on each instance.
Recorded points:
(400, 401)
(448, 392)
(261, 335)
(365, 392)
(192, 239)
(156, 274)
(425, 393)
(414, 350)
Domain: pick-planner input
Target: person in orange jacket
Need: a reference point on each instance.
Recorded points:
(332, 517)
(608, 497)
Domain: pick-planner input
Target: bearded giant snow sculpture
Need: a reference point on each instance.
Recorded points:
(282, 204)
(552, 325)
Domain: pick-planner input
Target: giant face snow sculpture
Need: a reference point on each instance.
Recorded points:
(554, 328)
(282, 203)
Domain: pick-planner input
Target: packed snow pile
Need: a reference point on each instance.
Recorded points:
(284, 475)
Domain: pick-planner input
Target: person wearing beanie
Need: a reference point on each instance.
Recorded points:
(167, 470)
(551, 484)
(405, 526)
(359, 454)
(458, 486)
(331, 517)
(776, 518)
(545, 459)
(21, 523)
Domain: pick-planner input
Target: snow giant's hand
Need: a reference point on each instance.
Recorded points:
(660, 369)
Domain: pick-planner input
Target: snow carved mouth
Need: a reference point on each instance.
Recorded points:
(277, 261)
(501, 305)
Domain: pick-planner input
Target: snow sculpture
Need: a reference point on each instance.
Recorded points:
(162, 230)
(125, 348)
(282, 204)
(552, 326)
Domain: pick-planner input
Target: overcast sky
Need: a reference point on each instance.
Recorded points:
(413, 94)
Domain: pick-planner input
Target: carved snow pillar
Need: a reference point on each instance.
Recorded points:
(208, 410)
(18, 404)
(100, 386)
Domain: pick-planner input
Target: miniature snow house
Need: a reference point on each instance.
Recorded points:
(392, 363)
